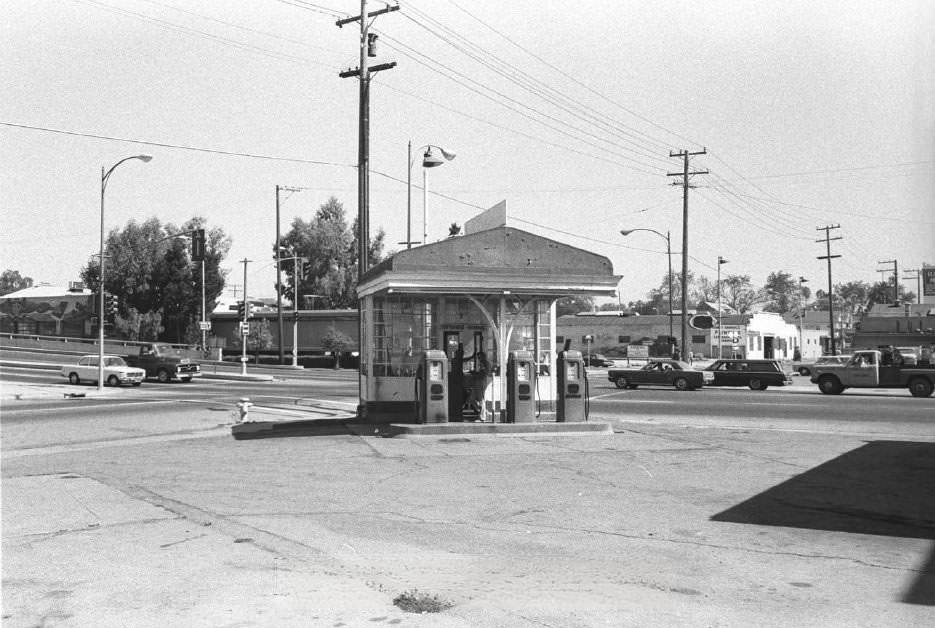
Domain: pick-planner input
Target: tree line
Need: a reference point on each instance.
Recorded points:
(781, 293)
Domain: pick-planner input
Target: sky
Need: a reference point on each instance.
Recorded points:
(810, 114)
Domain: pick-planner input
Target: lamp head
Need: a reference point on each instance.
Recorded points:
(430, 159)
(145, 158)
(626, 232)
(721, 260)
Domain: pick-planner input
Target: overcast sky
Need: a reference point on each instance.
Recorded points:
(812, 114)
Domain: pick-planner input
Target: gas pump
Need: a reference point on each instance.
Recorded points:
(572, 386)
(431, 388)
(521, 381)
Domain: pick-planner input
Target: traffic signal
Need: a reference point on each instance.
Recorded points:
(198, 245)
(241, 309)
(303, 267)
(111, 306)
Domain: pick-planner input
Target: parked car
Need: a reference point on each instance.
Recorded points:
(596, 359)
(757, 374)
(116, 371)
(806, 368)
(661, 372)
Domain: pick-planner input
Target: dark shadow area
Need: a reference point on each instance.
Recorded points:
(922, 590)
(288, 429)
(884, 487)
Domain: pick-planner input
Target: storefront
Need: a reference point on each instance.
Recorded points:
(476, 297)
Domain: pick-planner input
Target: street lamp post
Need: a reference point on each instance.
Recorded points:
(720, 336)
(626, 232)
(429, 160)
(802, 311)
(105, 175)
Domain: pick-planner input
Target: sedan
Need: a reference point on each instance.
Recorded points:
(597, 360)
(805, 368)
(116, 371)
(680, 375)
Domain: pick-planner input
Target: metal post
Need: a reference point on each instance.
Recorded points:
(204, 308)
(720, 340)
(425, 205)
(409, 199)
(246, 308)
(669, 254)
(278, 279)
(100, 305)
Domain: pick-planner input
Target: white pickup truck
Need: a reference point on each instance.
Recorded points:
(865, 369)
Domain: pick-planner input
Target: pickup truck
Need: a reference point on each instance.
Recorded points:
(165, 362)
(866, 369)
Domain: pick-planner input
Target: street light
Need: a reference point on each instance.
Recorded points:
(105, 175)
(802, 315)
(626, 232)
(429, 160)
(720, 337)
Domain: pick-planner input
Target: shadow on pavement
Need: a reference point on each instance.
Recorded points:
(884, 487)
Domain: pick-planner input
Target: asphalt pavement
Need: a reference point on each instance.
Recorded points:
(648, 526)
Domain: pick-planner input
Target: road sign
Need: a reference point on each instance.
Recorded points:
(244, 329)
(204, 325)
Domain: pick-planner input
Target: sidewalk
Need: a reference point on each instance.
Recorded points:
(651, 526)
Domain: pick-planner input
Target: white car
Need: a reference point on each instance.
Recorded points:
(116, 371)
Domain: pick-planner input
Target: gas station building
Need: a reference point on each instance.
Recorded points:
(481, 308)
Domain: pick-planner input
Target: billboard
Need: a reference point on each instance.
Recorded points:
(928, 281)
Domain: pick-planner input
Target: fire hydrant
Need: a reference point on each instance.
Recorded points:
(244, 406)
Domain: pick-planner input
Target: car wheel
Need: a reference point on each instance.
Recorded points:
(186, 380)
(137, 383)
(73, 378)
(621, 382)
(162, 375)
(920, 387)
(803, 371)
(113, 380)
(755, 384)
(681, 383)
(830, 385)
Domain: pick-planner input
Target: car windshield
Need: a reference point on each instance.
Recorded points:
(114, 362)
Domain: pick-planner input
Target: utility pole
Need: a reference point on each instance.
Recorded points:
(828, 256)
(895, 278)
(246, 313)
(368, 43)
(918, 278)
(685, 154)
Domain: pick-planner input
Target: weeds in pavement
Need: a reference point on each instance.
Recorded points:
(415, 601)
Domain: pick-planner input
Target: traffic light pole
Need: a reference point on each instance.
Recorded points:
(246, 312)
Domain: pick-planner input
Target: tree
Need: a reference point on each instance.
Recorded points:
(738, 293)
(573, 305)
(259, 338)
(337, 342)
(11, 281)
(330, 247)
(781, 293)
(158, 287)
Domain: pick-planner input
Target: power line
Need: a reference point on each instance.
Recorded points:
(572, 78)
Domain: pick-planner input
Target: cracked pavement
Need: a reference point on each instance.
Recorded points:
(651, 526)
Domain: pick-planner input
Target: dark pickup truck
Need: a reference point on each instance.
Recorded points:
(165, 362)
(866, 369)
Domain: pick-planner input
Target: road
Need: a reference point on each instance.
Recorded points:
(713, 507)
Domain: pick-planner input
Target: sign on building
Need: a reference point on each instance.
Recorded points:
(732, 334)
(637, 351)
(928, 282)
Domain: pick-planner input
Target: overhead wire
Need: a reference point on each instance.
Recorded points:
(530, 83)
(481, 89)
(572, 78)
